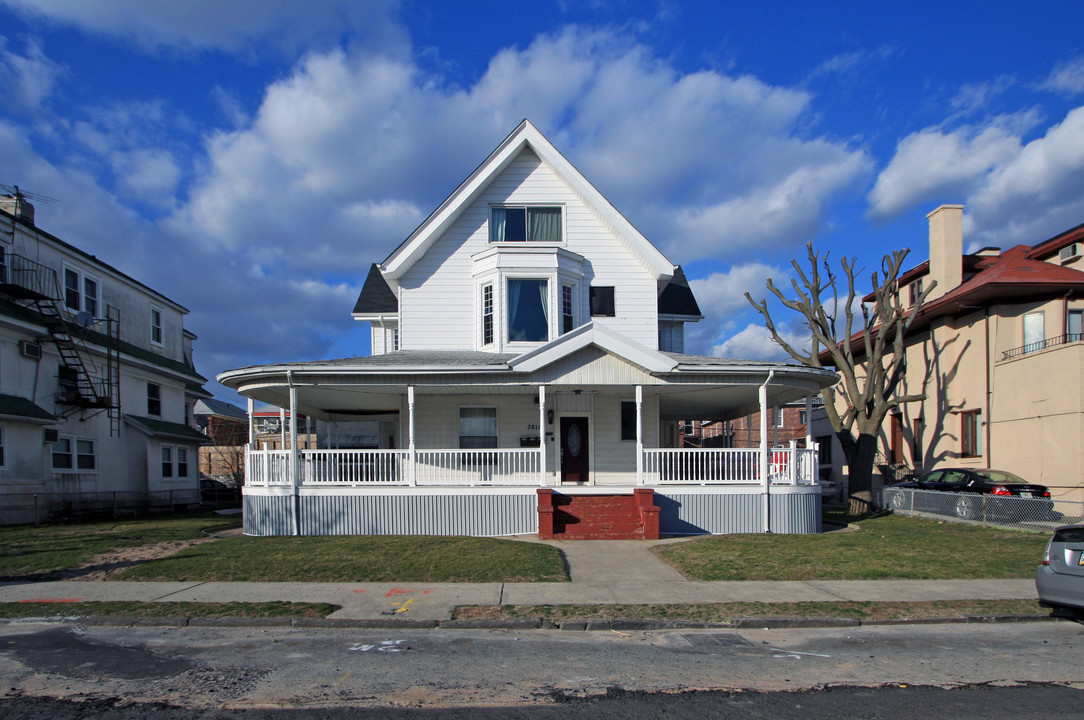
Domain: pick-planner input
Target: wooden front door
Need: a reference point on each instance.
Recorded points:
(575, 466)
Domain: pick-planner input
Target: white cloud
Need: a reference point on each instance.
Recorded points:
(147, 173)
(932, 162)
(27, 80)
(232, 26)
(974, 97)
(721, 297)
(1038, 192)
(754, 342)
(1067, 78)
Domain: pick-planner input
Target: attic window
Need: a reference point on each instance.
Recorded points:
(525, 224)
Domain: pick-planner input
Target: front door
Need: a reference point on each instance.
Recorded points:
(574, 460)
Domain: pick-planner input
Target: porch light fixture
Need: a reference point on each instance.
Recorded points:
(549, 416)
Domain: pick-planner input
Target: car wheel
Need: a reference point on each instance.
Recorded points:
(898, 501)
(967, 508)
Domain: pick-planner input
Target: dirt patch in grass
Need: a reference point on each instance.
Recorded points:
(106, 565)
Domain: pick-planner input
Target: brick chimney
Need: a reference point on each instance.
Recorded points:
(946, 248)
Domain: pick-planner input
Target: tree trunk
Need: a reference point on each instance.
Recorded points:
(860, 481)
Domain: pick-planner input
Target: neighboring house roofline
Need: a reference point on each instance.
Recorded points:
(525, 135)
(93, 259)
(20, 409)
(163, 429)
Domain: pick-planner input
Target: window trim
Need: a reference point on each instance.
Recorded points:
(74, 455)
(83, 276)
(496, 422)
(971, 442)
(568, 307)
(527, 207)
(488, 308)
(160, 327)
(612, 301)
(506, 312)
(171, 468)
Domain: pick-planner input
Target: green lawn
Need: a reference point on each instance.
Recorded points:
(884, 547)
(358, 558)
(29, 552)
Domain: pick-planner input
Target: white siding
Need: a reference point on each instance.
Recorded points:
(438, 299)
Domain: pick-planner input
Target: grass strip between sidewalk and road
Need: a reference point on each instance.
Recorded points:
(883, 547)
(275, 609)
(731, 612)
(357, 558)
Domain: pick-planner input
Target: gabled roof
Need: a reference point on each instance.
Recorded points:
(21, 409)
(677, 297)
(592, 334)
(160, 428)
(1049, 247)
(377, 297)
(524, 136)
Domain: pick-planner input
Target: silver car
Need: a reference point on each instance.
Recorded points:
(1060, 577)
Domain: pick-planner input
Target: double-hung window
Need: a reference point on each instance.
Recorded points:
(528, 310)
(154, 399)
(80, 292)
(525, 224)
(174, 462)
(487, 314)
(477, 427)
(568, 320)
(971, 433)
(167, 461)
(156, 326)
(1034, 332)
(70, 453)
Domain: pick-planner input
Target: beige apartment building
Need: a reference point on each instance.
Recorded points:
(997, 348)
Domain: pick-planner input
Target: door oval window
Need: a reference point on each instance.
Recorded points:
(574, 440)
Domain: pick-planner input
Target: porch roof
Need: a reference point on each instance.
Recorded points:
(688, 386)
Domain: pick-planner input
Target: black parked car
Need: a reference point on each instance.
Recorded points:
(214, 491)
(1010, 495)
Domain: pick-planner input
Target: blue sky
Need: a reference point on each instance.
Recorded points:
(251, 158)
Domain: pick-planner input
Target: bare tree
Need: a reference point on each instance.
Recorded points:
(866, 349)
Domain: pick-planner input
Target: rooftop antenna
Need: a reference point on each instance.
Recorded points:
(18, 194)
(22, 208)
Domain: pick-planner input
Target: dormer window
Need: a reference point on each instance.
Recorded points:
(525, 224)
(916, 290)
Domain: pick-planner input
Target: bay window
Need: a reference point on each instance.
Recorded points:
(528, 310)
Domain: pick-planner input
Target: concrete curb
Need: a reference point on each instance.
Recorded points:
(571, 625)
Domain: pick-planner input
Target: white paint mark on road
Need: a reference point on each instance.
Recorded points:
(387, 646)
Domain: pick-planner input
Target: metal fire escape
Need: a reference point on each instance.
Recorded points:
(83, 385)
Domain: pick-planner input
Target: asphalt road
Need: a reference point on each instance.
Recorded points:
(997, 670)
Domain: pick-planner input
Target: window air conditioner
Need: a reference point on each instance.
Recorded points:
(30, 350)
(50, 435)
(1069, 252)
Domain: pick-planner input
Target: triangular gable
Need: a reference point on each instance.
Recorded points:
(601, 337)
(525, 135)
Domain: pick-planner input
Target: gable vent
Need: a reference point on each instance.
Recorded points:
(30, 350)
(1069, 252)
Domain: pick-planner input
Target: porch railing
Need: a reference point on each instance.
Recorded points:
(521, 467)
(714, 466)
(478, 467)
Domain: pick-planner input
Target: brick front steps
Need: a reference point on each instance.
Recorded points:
(599, 516)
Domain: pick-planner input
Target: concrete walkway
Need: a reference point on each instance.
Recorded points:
(602, 572)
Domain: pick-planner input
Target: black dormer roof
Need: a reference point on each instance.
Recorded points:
(376, 295)
(677, 297)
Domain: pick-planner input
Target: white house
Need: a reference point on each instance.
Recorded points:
(526, 337)
(96, 382)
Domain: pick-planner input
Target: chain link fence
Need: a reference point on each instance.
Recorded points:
(34, 508)
(1006, 510)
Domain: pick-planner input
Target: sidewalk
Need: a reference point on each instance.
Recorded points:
(602, 573)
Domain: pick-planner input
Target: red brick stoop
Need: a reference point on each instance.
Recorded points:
(598, 516)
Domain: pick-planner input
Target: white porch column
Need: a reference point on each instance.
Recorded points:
(792, 470)
(764, 465)
(282, 427)
(639, 434)
(294, 457)
(542, 435)
(251, 422)
(410, 436)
